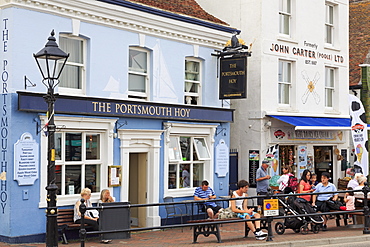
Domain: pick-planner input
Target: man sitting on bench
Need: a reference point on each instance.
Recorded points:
(205, 193)
(241, 208)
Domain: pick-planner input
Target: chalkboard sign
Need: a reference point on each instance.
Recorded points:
(254, 157)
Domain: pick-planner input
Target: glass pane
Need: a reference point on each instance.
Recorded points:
(284, 6)
(329, 97)
(136, 83)
(73, 180)
(329, 37)
(174, 149)
(283, 93)
(137, 61)
(330, 14)
(185, 148)
(92, 146)
(189, 100)
(74, 47)
(71, 77)
(92, 177)
(172, 176)
(58, 146)
(201, 148)
(192, 70)
(198, 174)
(185, 176)
(73, 146)
(284, 24)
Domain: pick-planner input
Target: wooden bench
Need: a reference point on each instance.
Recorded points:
(66, 223)
(345, 216)
(213, 228)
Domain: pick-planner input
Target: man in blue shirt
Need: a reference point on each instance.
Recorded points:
(205, 193)
(320, 200)
(263, 180)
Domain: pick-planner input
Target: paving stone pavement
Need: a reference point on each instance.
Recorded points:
(231, 235)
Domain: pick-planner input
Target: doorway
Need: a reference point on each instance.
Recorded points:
(323, 161)
(138, 187)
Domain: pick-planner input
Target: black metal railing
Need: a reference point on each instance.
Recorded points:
(365, 210)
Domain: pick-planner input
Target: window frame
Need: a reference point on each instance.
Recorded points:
(82, 66)
(285, 14)
(329, 24)
(144, 96)
(285, 83)
(194, 131)
(82, 124)
(329, 88)
(198, 95)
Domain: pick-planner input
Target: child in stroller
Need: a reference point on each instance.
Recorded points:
(294, 206)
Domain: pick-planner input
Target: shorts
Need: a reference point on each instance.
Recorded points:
(214, 209)
(242, 215)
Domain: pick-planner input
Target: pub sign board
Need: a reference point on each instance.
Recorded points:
(233, 77)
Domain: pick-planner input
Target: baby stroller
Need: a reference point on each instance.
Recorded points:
(295, 206)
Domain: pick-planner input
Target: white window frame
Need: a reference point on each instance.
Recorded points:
(285, 84)
(189, 130)
(139, 95)
(82, 90)
(329, 23)
(82, 124)
(198, 82)
(285, 13)
(329, 86)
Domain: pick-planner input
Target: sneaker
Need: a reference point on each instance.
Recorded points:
(260, 238)
(260, 233)
(324, 228)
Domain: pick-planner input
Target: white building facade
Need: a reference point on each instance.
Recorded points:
(297, 86)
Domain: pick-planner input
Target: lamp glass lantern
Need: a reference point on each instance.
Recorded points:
(51, 61)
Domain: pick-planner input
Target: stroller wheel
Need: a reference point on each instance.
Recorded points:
(297, 230)
(304, 229)
(315, 228)
(279, 228)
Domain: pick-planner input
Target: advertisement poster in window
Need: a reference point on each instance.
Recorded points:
(114, 176)
(254, 157)
(302, 159)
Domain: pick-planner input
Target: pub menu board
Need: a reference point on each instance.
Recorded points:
(254, 158)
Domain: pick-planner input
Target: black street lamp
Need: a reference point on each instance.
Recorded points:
(51, 61)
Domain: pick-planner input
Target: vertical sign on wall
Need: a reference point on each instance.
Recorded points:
(233, 77)
(254, 157)
(222, 159)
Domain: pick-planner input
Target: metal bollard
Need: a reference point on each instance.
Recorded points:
(366, 190)
(82, 228)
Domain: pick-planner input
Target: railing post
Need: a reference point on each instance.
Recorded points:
(366, 190)
(82, 227)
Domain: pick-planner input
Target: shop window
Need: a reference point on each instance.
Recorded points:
(78, 159)
(284, 16)
(192, 82)
(72, 79)
(138, 73)
(185, 169)
(287, 157)
(188, 157)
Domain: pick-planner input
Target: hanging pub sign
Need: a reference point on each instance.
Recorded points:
(233, 77)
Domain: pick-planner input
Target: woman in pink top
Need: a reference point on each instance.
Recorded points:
(304, 185)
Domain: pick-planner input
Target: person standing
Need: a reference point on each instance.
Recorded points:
(263, 180)
(284, 179)
(206, 193)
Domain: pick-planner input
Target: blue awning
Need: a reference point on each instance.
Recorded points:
(311, 123)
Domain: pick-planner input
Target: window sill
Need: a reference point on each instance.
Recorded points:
(69, 200)
(287, 39)
(331, 47)
(180, 192)
(282, 108)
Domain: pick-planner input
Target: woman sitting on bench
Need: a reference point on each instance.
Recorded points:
(240, 207)
(91, 216)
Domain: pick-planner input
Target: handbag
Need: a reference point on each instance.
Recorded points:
(333, 205)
